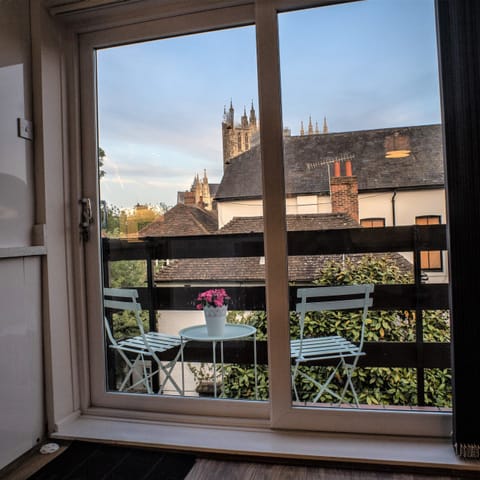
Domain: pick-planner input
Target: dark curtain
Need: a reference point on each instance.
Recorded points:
(458, 23)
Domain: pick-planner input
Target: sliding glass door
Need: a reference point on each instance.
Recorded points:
(241, 154)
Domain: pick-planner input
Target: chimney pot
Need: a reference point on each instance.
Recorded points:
(348, 168)
(336, 169)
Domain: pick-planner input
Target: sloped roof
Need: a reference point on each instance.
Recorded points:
(313, 221)
(305, 268)
(305, 160)
(213, 189)
(181, 220)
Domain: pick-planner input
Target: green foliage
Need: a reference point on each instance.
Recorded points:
(101, 160)
(125, 324)
(128, 274)
(111, 228)
(375, 386)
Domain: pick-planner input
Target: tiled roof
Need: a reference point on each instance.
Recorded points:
(213, 189)
(305, 159)
(313, 221)
(252, 269)
(181, 220)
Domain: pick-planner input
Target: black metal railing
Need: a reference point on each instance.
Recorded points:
(417, 296)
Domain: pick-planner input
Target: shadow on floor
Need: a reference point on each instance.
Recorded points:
(92, 461)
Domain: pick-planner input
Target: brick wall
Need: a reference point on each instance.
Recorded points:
(344, 195)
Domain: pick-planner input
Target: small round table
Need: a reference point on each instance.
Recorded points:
(231, 332)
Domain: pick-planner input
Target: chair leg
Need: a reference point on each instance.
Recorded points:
(294, 375)
(167, 371)
(131, 367)
(324, 387)
(145, 377)
(349, 369)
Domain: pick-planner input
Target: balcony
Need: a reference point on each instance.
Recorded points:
(416, 297)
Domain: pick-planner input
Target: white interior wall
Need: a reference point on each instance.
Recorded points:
(22, 417)
(21, 394)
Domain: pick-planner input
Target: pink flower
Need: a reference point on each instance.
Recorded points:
(215, 297)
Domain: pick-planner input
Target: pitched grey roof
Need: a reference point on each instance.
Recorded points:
(306, 172)
(181, 220)
(305, 268)
(311, 221)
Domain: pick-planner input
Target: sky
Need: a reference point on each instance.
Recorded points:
(368, 64)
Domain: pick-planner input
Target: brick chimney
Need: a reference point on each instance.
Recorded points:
(344, 191)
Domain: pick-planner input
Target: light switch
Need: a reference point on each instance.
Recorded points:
(25, 128)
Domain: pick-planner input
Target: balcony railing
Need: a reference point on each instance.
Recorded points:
(417, 296)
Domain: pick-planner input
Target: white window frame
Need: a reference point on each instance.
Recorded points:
(278, 413)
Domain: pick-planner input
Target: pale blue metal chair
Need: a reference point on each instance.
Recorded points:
(143, 348)
(304, 349)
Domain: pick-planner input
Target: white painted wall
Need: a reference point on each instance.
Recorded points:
(171, 322)
(238, 208)
(408, 205)
(21, 393)
(22, 410)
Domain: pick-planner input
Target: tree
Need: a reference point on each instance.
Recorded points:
(128, 274)
(101, 160)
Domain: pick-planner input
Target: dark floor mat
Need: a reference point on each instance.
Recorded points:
(95, 461)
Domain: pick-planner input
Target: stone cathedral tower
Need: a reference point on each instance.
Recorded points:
(199, 194)
(238, 138)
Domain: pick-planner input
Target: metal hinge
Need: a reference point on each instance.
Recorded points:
(87, 218)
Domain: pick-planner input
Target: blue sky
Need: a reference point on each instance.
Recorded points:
(369, 64)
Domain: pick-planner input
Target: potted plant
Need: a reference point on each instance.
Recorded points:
(214, 303)
(205, 379)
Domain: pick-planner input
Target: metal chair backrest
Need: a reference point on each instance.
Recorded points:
(124, 299)
(345, 297)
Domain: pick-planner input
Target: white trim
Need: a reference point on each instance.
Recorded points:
(282, 414)
(15, 252)
(258, 442)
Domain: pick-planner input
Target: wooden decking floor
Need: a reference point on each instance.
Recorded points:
(206, 469)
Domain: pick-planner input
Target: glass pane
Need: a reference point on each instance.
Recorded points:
(363, 148)
(178, 131)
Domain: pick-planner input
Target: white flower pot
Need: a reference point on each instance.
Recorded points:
(215, 318)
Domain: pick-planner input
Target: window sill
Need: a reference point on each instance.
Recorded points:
(407, 452)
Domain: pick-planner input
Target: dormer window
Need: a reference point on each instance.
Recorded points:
(397, 146)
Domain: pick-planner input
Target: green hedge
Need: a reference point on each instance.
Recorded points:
(374, 386)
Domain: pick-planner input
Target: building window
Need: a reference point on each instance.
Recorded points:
(372, 222)
(430, 260)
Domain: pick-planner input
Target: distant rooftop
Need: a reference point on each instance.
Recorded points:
(303, 269)
(307, 159)
(252, 269)
(181, 220)
(311, 221)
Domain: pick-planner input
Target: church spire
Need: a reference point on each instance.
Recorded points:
(325, 126)
(244, 120)
(231, 114)
(310, 126)
(253, 117)
(316, 128)
(302, 131)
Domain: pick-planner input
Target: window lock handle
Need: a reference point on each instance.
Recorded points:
(86, 218)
